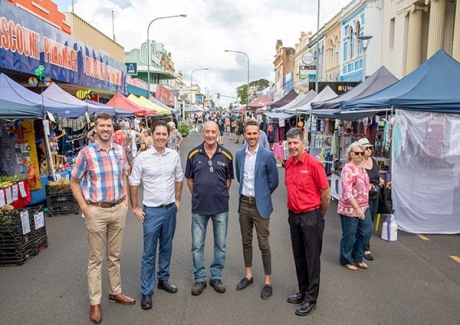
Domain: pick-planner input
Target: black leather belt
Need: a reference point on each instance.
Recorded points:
(306, 211)
(106, 204)
(164, 206)
(248, 198)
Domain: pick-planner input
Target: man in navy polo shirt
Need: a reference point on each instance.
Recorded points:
(209, 173)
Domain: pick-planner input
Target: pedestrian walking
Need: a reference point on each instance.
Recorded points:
(372, 169)
(175, 138)
(160, 172)
(308, 197)
(255, 203)
(353, 209)
(100, 188)
(209, 173)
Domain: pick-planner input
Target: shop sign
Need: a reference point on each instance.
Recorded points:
(131, 68)
(27, 41)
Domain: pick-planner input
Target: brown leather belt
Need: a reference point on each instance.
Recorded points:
(106, 204)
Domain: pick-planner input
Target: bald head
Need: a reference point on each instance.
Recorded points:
(210, 125)
(210, 133)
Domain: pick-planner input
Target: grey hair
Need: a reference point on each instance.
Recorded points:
(171, 124)
(351, 148)
(295, 133)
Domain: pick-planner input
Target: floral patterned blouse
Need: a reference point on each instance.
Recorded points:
(355, 185)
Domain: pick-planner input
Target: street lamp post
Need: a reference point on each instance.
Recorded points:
(247, 98)
(365, 39)
(148, 47)
(191, 89)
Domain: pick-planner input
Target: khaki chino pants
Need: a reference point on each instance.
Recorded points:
(105, 228)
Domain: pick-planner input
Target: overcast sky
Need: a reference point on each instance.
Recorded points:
(211, 26)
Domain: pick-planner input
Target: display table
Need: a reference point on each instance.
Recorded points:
(39, 196)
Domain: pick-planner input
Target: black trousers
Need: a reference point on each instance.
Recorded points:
(307, 241)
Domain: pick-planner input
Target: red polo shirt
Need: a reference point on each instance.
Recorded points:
(304, 181)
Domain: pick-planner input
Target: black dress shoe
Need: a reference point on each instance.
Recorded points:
(166, 286)
(146, 302)
(296, 299)
(267, 292)
(244, 283)
(305, 308)
(369, 257)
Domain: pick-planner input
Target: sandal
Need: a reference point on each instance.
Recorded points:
(362, 265)
(350, 267)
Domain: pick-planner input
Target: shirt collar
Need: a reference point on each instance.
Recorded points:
(97, 146)
(253, 153)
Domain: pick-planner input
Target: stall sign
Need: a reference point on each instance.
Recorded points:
(27, 41)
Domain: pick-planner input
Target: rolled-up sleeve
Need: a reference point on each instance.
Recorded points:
(136, 173)
(178, 172)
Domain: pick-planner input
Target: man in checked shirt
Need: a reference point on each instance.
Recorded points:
(100, 187)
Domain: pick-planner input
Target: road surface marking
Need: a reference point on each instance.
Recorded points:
(423, 237)
(455, 258)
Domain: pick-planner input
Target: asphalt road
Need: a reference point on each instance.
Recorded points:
(411, 281)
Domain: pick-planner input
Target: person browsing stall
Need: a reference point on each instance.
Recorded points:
(160, 172)
(353, 209)
(100, 187)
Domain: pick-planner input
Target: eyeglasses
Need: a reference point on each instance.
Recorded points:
(358, 153)
(368, 148)
(211, 169)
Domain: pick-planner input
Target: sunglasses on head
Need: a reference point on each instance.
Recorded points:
(358, 153)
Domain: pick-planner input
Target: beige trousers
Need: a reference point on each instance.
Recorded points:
(105, 228)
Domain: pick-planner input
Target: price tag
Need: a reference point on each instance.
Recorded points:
(39, 220)
(15, 192)
(25, 222)
(22, 189)
(2, 198)
(9, 199)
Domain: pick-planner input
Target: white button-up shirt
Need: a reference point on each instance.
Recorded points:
(249, 173)
(158, 174)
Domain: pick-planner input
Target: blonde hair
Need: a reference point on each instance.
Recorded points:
(351, 148)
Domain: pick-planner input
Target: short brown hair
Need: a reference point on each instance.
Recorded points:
(251, 122)
(102, 116)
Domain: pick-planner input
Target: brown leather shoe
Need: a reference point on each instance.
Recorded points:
(122, 299)
(95, 314)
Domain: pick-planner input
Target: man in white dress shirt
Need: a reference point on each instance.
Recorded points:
(160, 172)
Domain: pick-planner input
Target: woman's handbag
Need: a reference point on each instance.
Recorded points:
(385, 204)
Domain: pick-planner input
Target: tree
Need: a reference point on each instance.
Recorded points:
(257, 85)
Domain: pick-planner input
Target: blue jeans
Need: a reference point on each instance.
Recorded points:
(199, 227)
(355, 234)
(373, 206)
(159, 226)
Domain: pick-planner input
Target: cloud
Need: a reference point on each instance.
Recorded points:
(211, 27)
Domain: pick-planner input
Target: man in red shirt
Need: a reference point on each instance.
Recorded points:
(308, 197)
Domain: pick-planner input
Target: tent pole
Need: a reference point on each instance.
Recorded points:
(47, 142)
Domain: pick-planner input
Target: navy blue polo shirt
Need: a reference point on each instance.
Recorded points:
(210, 194)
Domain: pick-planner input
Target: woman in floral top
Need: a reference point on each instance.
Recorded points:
(353, 209)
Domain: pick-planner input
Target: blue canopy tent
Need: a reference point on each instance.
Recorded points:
(380, 79)
(20, 93)
(56, 93)
(289, 97)
(433, 87)
(13, 102)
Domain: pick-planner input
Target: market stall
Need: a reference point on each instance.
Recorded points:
(425, 150)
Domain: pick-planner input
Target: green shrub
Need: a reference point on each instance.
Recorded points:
(183, 129)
